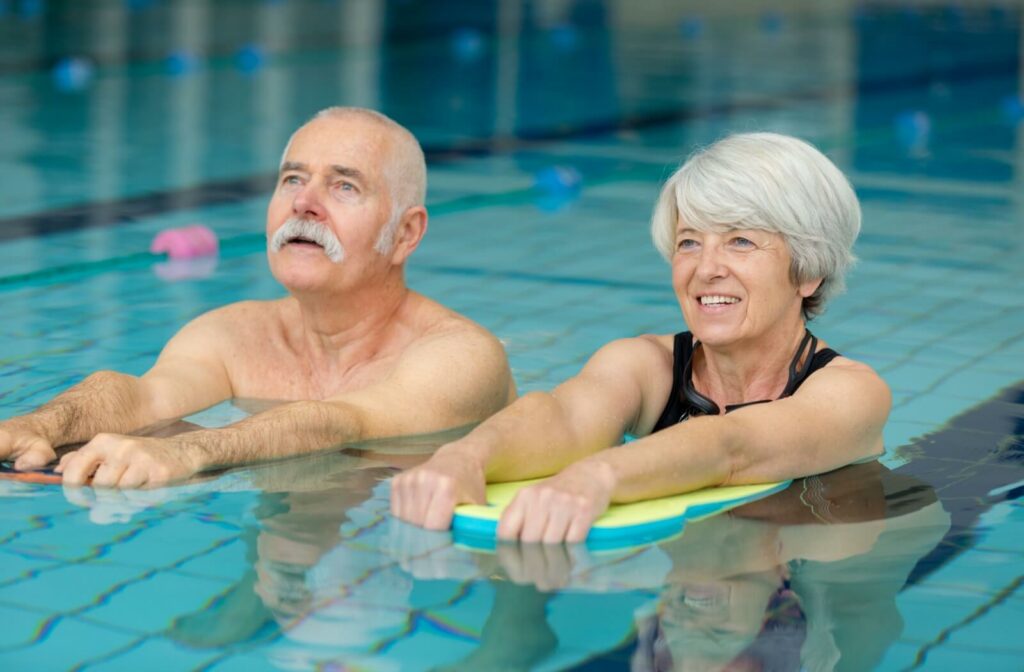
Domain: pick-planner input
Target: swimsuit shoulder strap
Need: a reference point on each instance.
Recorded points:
(816, 361)
(682, 350)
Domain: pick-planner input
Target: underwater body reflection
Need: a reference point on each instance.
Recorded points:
(805, 579)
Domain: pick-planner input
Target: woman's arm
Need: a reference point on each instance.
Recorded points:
(623, 386)
(834, 419)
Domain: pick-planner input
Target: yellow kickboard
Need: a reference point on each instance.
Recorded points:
(621, 524)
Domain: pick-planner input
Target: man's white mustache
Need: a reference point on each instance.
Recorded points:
(312, 230)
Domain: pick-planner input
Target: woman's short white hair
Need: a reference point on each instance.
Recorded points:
(769, 182)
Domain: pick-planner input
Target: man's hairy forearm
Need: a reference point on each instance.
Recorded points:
(106, 401)
(292, 429)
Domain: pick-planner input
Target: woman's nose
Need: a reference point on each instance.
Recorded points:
(710, 264)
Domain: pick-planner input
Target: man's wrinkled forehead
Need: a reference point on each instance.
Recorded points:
(350, 141)
(333, 169)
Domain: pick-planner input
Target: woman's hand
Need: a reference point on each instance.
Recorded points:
(562, 508)
(428, 494)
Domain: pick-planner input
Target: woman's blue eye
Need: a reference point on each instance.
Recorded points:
(740, 241)
(687, 244)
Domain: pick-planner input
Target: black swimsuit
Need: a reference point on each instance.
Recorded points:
(685, 402)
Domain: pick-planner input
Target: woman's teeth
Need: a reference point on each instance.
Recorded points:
(717, 300)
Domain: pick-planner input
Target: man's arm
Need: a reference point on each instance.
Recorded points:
(442, 381)
(188, 376)
(622, 387)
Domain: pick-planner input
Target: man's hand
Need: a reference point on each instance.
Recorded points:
(428, 494)
(116, 461)
(26, 446)
(561, 508)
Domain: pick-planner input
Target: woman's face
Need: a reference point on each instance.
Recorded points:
(735, 286)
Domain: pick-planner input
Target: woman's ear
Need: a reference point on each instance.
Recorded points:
(809, 287)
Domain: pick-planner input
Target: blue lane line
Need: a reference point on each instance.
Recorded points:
(133, 208)
(544, 278)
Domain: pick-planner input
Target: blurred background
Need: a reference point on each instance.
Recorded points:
(548, 126)
(107, 99)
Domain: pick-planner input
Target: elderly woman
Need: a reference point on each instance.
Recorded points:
(758, 229)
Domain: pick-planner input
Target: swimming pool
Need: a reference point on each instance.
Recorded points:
(913, 564)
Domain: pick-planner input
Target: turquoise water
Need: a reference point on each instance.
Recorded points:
(916, 563)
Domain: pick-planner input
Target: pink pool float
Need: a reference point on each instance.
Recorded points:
(186, 242)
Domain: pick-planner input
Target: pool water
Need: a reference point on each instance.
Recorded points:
(548, 127)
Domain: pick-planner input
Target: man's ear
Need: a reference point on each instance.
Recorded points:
(411, 229)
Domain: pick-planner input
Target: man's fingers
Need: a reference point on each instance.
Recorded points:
(30, 451)
(108, 474)
(37, 456)
(133, 477)
(12, 443)
(80, 466)
(63, 462)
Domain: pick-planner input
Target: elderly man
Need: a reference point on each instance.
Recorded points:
(356, 352)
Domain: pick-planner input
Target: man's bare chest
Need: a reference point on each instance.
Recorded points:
(276, 373)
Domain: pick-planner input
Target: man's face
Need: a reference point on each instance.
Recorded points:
(329, 206)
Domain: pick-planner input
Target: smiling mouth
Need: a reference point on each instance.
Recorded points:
(717, 300)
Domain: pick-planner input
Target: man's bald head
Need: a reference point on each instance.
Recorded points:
(405, 167)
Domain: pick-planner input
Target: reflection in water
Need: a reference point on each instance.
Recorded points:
(803, 580)
(806, 579)
(294, 529)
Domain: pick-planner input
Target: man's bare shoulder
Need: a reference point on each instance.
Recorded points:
(463, 342)
(251, 309)
(224, 332)
(242, 316)
(434, 320)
